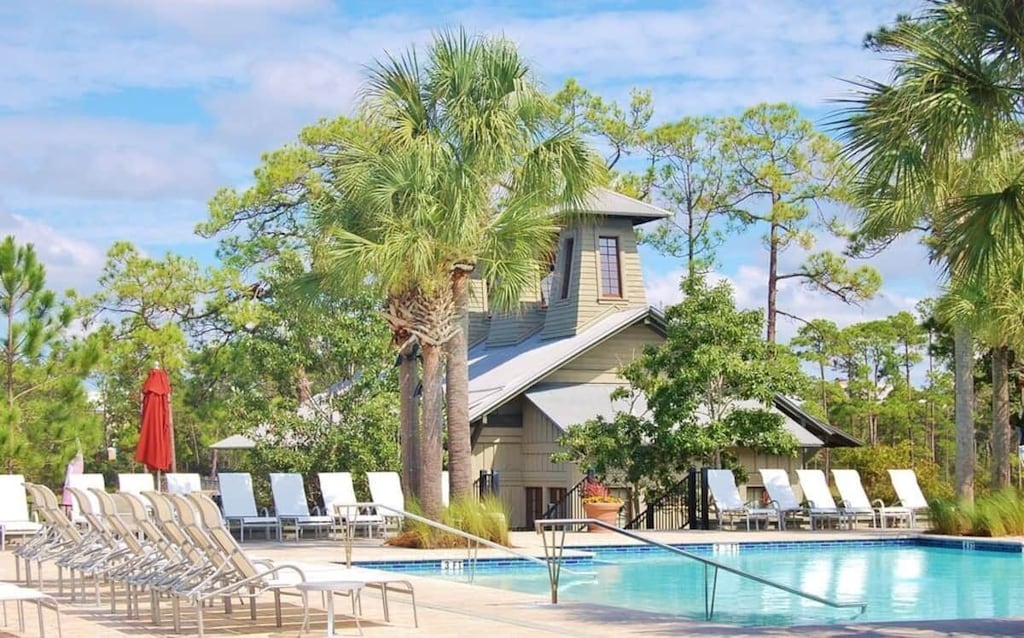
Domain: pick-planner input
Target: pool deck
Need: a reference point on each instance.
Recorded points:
(461, 610)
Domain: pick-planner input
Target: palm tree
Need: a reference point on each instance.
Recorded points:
(462, 174)
(937, 149)
(500, 168)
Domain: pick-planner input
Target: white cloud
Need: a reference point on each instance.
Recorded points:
(750, 290)
(70, 263)
(106, 158)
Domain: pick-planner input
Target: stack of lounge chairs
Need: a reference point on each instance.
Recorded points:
(167, 548)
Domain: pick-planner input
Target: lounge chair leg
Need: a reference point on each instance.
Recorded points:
(252, 603)
(199, 619)
(39, 614)
(277, 608)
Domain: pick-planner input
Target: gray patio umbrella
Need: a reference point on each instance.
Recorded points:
(233, 442)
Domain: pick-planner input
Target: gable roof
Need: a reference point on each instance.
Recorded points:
(605, 201)
(832, 436)
(497, 374)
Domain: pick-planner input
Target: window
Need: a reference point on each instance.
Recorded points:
(611, 277)
(567, 251)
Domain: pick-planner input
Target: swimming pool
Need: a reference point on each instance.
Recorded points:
(905, 579)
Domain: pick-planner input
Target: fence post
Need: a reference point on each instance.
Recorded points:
(704, 504)
(691, 498)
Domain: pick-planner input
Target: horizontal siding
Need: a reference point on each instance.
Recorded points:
(504, 330)
(603, 362)
(560, 317)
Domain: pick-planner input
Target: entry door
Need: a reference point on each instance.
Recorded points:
(534, 505)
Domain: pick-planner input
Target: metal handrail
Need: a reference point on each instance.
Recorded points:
(472, 551)
(554, 564)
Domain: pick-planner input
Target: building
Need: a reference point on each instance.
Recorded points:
(555, 362)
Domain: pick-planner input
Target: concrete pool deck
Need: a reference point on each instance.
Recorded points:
(460, 610)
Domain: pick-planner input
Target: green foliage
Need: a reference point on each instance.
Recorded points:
(45, 414)
(995, 514)
(873, 462)
(704, 388)
(486, 517)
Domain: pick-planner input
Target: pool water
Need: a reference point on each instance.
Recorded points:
(897, 581)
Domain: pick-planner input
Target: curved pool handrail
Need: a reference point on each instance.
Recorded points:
(472, 550)
(554, 558)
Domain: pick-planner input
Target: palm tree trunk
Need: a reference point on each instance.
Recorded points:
(963, 346)
(408, 380)
(1000, 417)
(460, 447)
(430, 433)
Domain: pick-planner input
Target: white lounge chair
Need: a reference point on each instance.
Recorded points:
(728, 502)
(291, 506)
(340, 497)
(445, 489)
(14, 519)
(182, 483)
(239, 504)
(856, 502)
(386, 489)
(85, 482)
(135, 483)
(784, 501)
(909, 493)
(820, 503)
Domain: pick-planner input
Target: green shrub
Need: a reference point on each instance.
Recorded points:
(487, 518)
(996, 514)
(873, 461)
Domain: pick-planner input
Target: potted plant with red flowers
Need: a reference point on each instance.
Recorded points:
(598, 503)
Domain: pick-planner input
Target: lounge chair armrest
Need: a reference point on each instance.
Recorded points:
(879, 503)
(265, 512)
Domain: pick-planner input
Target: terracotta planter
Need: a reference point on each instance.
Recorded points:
(604, 512)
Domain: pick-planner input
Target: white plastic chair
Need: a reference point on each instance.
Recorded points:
(386, 489)
(14, 509)
(908, 492)
(728, 502)
(291, 506)
(784, 501)
(340, 497)
(183, 483)
(135, 483)
(239, 504)
(820, 503)
(85, 482)
(856, 501)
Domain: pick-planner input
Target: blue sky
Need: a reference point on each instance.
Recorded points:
(120, 118)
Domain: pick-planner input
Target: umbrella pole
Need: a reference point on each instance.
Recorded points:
(170, 429)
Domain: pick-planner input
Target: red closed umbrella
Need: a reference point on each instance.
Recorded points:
(155, 448)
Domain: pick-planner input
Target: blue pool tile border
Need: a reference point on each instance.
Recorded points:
(597, 552)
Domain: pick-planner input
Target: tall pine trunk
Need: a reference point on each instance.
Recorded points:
(773, 282)
(430, 432)
(409, 416)
(460, 447)
(963, 346)
(1000, 417)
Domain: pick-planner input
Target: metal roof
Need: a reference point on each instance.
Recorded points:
(568, 405)
(497, 374)
(803, 437)
(605, 201)
(832, 436)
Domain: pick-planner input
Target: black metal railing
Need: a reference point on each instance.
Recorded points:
(570, 505)
(669, 510)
